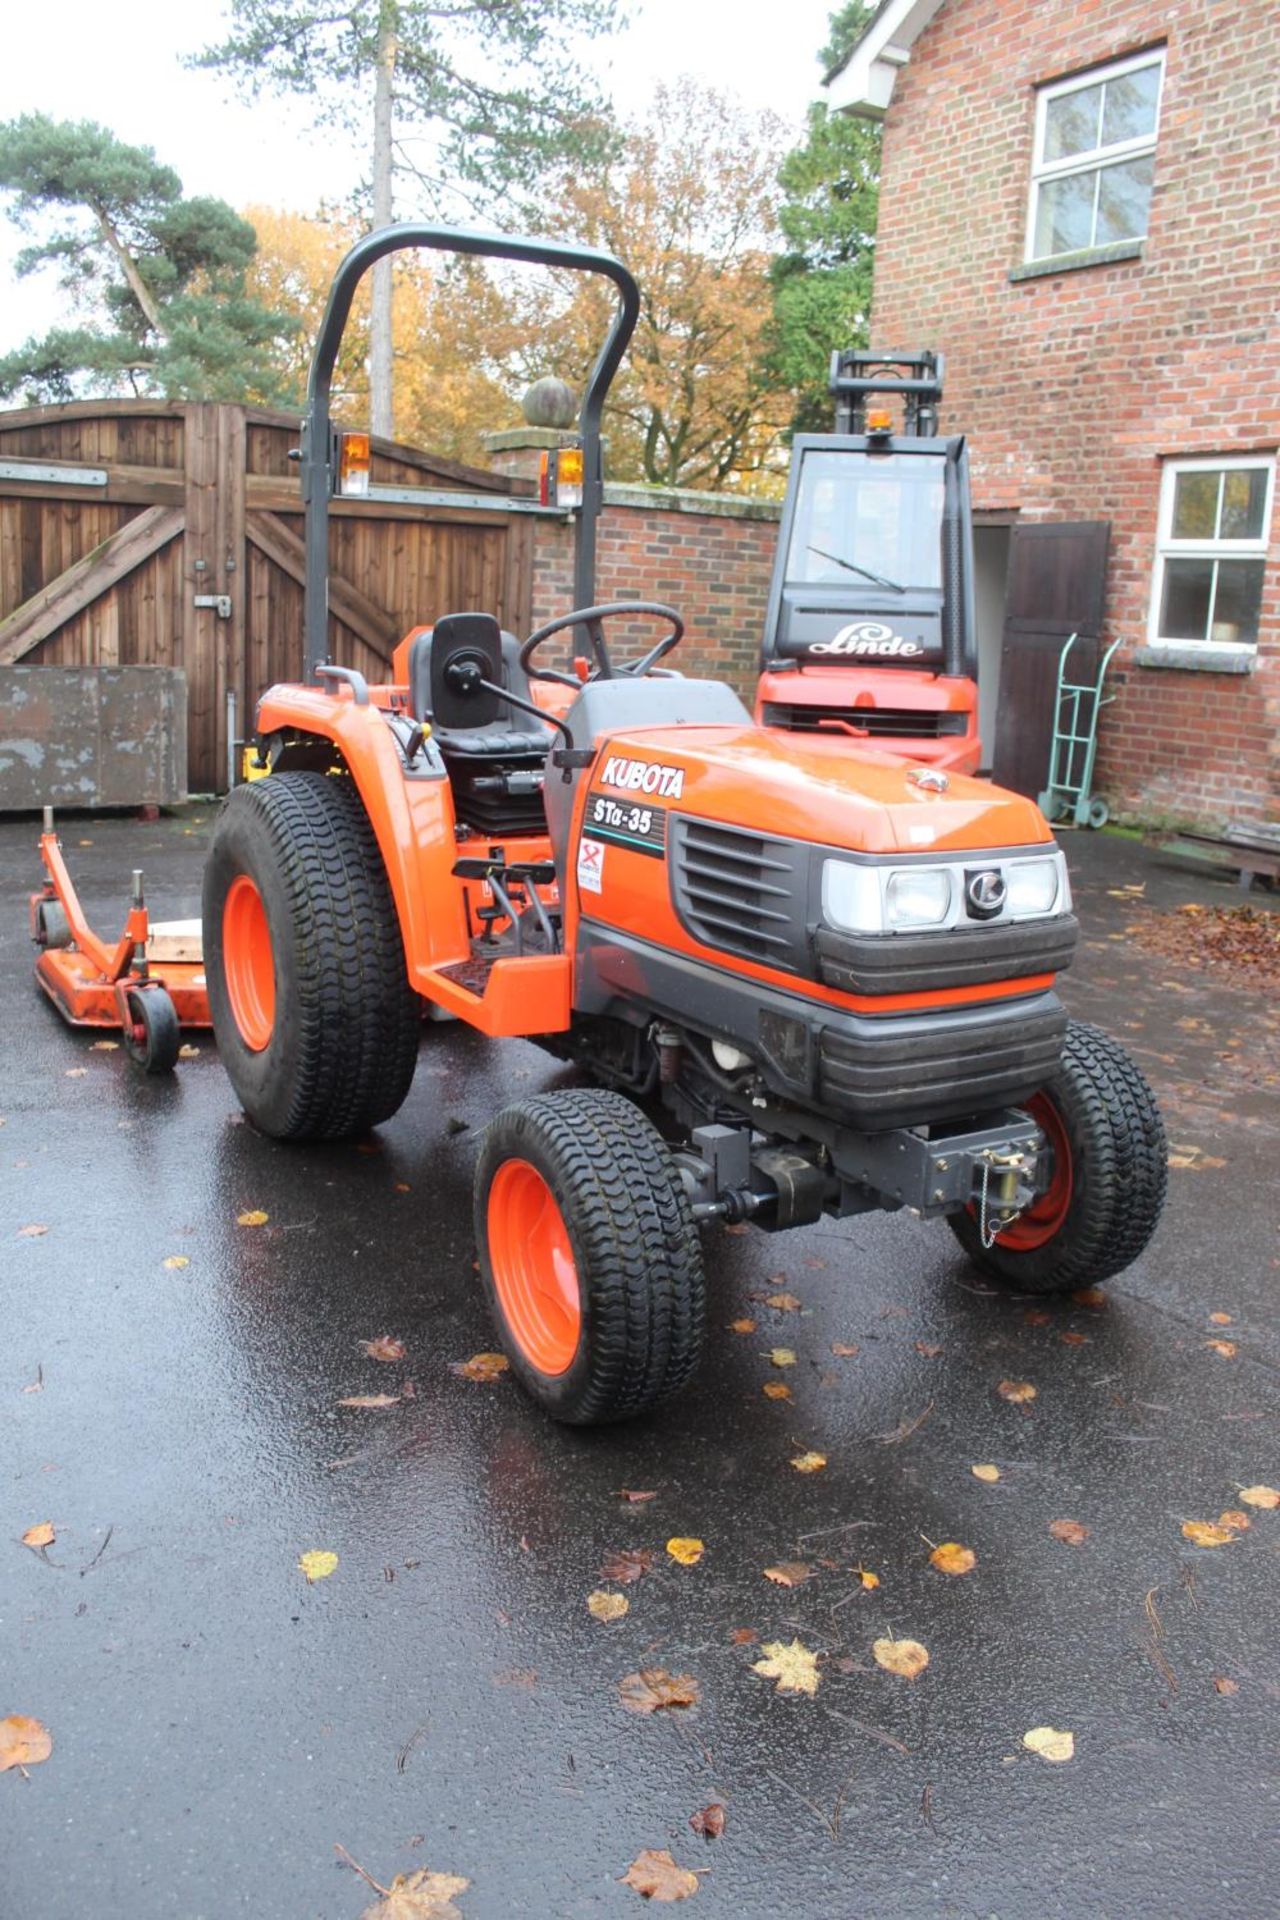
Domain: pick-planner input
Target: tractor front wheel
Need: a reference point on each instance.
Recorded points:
(315, 1020)
(1109, 1170)
(589, 1256)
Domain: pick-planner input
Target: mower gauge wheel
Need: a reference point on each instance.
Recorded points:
(152, 1035)
(53, 929)
(593, 619)
(589, 1256)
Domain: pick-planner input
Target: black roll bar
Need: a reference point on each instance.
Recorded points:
(317, 432)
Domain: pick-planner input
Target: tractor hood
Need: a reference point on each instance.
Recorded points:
(825, 791)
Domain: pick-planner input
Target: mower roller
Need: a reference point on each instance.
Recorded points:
(869, 633)
(798, 977)
(150, 983)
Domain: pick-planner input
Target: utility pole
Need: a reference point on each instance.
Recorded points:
(381, 416)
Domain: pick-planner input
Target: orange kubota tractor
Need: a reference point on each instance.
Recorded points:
(869, 633)
(798, 978)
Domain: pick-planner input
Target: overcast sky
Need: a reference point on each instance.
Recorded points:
(119, 63)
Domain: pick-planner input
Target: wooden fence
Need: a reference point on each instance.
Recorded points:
(116, 517)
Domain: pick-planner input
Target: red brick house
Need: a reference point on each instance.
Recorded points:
(1080, 206)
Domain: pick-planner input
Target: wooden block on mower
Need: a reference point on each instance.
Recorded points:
(176, 940)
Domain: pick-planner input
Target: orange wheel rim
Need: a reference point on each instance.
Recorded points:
(1046, 1214)
(535, 1274)
(248, 963)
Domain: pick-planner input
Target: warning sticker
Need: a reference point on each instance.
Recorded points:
(590, 865)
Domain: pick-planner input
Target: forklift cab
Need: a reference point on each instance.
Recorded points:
(870, 627)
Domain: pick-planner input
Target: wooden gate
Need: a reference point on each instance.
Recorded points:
(1057, 587)
(118, 517)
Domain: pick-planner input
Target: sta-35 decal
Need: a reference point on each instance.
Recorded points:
(626, 823)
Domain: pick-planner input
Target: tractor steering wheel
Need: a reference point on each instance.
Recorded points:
(593, 619)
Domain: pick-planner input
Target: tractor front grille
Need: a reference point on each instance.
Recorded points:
(742, 893)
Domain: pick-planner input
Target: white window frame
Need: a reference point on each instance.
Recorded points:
(1097, 158)
(1167, 548)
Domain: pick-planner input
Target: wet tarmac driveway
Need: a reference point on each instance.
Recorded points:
(169, 1398)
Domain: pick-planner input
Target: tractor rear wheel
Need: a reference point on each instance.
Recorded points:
(1110, 1171)
(589, 1255)
(315, 1020)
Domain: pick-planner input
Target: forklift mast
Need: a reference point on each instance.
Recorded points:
(917, 377)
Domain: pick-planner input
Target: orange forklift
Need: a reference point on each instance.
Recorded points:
(869, 634)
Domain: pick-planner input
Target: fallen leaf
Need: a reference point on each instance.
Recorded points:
(789, 1573)
(105, 1046)
(907, 1658)
(1201, 1534)
(794, 1667)
(420, 1895)
(776, 1390)
(709, 1820)
(1221, 1684)
(635, 1496)
(31, 1233)
(1092, 1297)
(1037, 1317)
(23, 1742)
(1070, 1338)
(782, 1356)
(742, 1636)
(1260, 1496)
(845, 1349)
(318, 1563)
(809, 1462)
(75, 1073)
(624, 1568)
(188, 1052)
(1237, 1521)
(927, 1348)
(742, 1326)
(653, 1689)
(655, 1874)
(370, 1401)
(784, 1302)
(1016, 1391)
(481, 1366)
(607, 1606)
(39, 1536)
(1220, 1319)
(869, 1580)
(1227, 1348)
(254, 1218)
(686, 1552)
(951, 1557)
(987, 1473)
(384, 1348)
(1050, 1743)
(176, 1261)
(1070, 1532)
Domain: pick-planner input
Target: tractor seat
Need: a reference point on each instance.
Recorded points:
(495, 769)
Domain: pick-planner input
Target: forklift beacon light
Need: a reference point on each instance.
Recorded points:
(879, 420)
(353, 465)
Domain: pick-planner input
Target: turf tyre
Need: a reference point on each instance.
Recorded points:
(635, 1247)
(1119, 1172)
(345, 1028)
(152, 1036)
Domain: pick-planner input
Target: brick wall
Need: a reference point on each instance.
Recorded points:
(1074, 386)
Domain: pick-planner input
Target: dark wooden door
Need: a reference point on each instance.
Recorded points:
(1057, 586)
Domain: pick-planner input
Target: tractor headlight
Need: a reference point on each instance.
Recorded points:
(851, 897)
(1034, 885)
(918, 897)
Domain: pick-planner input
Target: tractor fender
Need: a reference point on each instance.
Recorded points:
(412, 819)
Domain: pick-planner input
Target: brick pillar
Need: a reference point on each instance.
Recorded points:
(518, 452)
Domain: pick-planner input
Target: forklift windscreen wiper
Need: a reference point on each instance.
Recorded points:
(853, 567)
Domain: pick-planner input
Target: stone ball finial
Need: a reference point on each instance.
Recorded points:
(550, 403)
